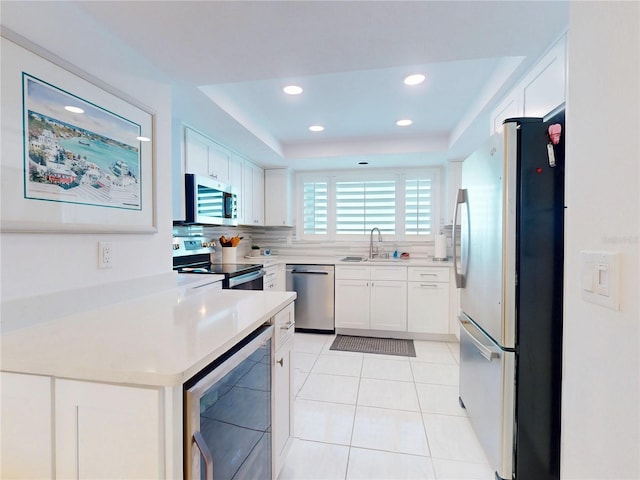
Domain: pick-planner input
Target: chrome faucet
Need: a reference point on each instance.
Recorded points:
(371, 241)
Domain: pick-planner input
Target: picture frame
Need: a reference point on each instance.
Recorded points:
(76, 157)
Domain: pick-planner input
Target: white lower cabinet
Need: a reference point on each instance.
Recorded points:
(102, 431)
(352, 303)
(375, 299)
(428, 307)
(283, 385)
(388, 305)
(26, 426)
(428, 300)
(270, 279)
(108, 431)
(283, 408)
(393, 298)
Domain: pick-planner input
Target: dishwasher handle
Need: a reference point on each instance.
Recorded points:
(309, 272)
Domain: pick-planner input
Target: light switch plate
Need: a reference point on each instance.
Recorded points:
(600, 278)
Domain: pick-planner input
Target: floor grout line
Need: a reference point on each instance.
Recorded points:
(355, 405)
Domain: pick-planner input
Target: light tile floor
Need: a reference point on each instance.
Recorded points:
(364, 416)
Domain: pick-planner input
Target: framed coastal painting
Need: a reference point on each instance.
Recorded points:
(76, 157)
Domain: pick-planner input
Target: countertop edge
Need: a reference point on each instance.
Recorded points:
(76, 371)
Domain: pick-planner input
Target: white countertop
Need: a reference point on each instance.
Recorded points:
(161, 339)
(270, 260)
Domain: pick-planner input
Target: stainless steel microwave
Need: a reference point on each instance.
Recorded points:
(210, 202)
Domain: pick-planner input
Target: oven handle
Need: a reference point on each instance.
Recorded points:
(247, 277)
(199, 442)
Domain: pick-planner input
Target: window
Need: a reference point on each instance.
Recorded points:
(360, 206)
(418, 207)
(348, 205)
(315, 208)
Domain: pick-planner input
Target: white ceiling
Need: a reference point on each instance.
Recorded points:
(350, 57)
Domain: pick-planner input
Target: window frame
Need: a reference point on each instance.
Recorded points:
(434, 173)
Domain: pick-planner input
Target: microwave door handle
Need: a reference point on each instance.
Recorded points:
(462, 198)
(199, 442)
(228, 205)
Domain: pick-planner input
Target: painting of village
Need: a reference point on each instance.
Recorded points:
(77, 152)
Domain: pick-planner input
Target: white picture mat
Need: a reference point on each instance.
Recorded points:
(29, 215)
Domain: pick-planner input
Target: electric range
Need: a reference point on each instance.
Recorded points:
(192, 255)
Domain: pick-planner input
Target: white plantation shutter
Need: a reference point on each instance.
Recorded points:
(315, 208)
(362, 205)
(419, 207)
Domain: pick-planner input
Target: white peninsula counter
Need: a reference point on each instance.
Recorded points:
(112, 376)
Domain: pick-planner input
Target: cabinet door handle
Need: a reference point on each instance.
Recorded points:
(428, 274)
(430, 286)
(281, 362)
(198, 439)
(287, 326)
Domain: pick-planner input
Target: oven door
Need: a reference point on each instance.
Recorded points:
(227, 416)
(248, 281)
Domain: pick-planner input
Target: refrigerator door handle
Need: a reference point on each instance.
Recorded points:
(462, 198)
(485, 351)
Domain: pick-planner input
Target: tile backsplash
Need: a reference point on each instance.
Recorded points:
(282, 241)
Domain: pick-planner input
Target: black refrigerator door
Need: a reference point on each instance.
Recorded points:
(539, 257)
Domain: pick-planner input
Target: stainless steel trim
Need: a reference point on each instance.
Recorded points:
(199, 442)
(509, 234)
(247, 277)
(192, 396)
(311, 272)
(315, 286)
(485, 351)
(461, 198)
(487, 391)
(192, 208)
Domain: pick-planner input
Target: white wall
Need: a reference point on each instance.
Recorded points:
(601, 401)
(34, 264)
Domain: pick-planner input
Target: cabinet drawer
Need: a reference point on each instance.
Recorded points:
(353, 272)
(388, 273)
(284, 324)
(428, 274)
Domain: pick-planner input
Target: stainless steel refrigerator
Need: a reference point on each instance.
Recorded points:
(509, 268)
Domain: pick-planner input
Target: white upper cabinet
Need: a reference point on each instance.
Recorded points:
(542, 90)
(252, 194)
(205, 157)
(278, 186)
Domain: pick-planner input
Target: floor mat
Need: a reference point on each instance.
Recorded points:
(385, 346)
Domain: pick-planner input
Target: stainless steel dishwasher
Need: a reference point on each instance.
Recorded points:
(314, 285)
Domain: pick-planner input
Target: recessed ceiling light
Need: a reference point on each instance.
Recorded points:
(143, 139)
(414, 79)
(292, 90)
(316, 128)
(363, 163)
(71, 109)
(404, 123)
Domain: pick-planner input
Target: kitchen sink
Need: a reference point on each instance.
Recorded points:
(353, 259)
(375, 259)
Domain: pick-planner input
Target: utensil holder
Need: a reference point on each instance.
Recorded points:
(229, 254)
